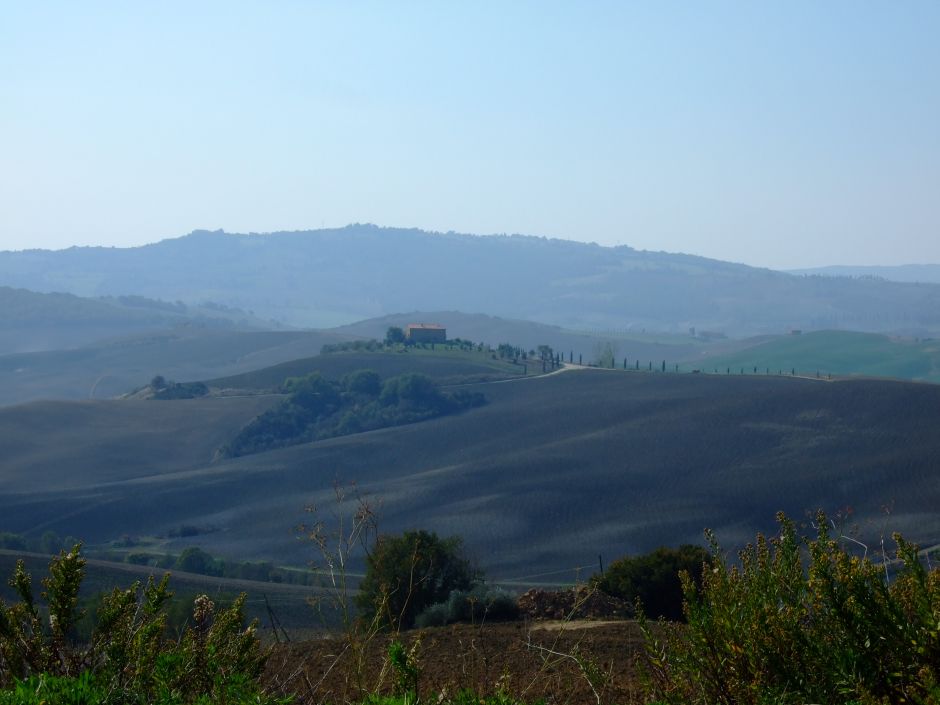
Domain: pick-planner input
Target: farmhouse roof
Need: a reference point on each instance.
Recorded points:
(428, 326)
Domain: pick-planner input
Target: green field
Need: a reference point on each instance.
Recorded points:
(444, 366)
(840, 353)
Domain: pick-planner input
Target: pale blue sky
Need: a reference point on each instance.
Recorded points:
(781, 134)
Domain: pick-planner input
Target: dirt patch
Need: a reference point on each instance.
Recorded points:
(581, 602)
(531, 661)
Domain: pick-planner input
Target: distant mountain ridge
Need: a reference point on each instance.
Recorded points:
(332, 277)
(31, 321)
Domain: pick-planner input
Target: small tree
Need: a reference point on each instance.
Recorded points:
(365, 382)
(407, 573)
(394, 335)
(653, 578)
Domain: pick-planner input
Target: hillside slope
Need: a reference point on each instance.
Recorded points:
(587, 343)
(922, 273)
(331, 277)
(113, 367)
(31, 321)
(550, 473)
(839, 353)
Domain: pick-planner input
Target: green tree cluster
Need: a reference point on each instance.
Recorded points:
(653, 578)
(48, 542)
(318, 408)
(406, 574)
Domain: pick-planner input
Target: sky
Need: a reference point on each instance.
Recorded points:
(781, 134)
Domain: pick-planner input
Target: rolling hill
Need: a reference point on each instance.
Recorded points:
(839, 353)
(31, 321)
(455, 369)
(550, 473)
(332, 277)
(634, 344)
(920, 273)
(116, 366)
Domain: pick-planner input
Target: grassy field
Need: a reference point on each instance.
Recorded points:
(445, 366)
(838, 353)
(550, 473)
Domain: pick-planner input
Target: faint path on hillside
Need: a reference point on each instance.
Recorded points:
(573, 367)
(565, 367)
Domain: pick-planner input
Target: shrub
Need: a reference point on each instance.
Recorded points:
(129, 658)
(12, 542)
(653, 578)
(181, 390)
(476, 605)
(405, 574)
(770, 631)
(366, 382)
(195, 560)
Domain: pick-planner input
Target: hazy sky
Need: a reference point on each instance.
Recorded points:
(780, 134)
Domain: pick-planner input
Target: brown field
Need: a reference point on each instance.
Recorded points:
(532, 661)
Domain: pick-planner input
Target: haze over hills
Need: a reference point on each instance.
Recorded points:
(32, 321)
(332, 277)
(118, 365)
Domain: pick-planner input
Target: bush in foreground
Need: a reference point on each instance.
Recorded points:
(771, 631)
(408, 573)
(653, 578)
(129, 659)
(478, 605)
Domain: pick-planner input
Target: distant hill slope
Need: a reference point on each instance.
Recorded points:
(923, 273)
(31, 321)
(839, 353)
(550, 473)
(117, 366)
(331, 277)
(454, 367)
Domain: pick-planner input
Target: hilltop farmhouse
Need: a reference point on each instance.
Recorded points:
(426, 333)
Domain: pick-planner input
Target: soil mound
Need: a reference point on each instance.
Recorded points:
(581, 602)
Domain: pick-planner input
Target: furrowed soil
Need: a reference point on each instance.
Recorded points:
(531, 660)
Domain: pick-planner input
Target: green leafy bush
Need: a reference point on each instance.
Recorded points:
(56, 690)
(653, 578)
(129, 657)
(773, 631)
(405, 574)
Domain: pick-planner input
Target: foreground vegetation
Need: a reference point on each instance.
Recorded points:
(793, 620)
(803, 621)
(130, 658)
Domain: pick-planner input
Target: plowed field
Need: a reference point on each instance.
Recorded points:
(532, 661)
